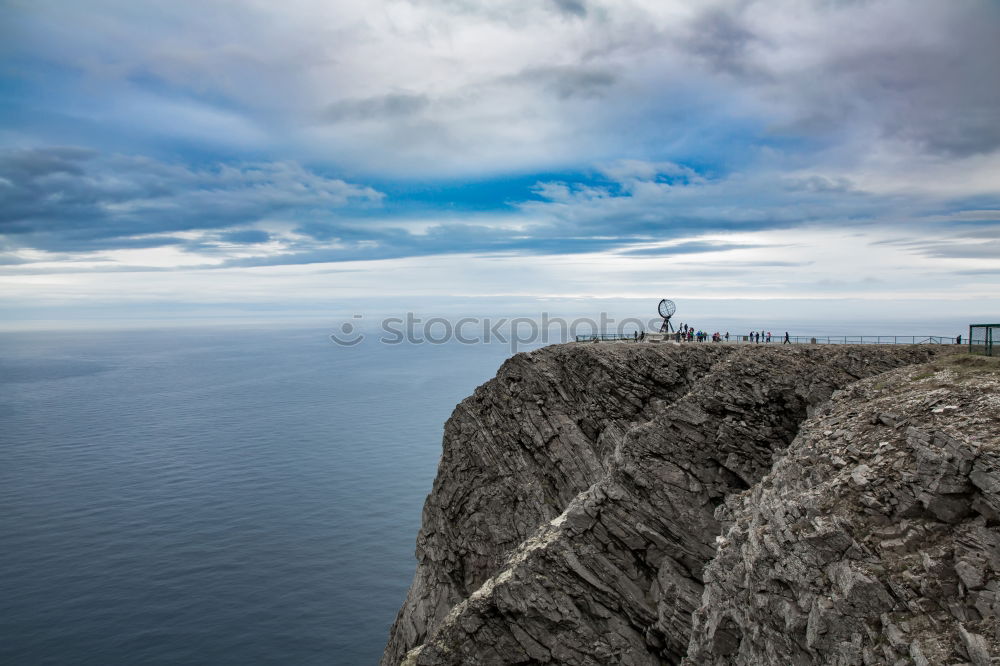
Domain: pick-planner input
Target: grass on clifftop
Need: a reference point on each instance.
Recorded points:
(962, 367)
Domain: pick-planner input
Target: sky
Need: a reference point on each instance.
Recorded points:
(221, 160)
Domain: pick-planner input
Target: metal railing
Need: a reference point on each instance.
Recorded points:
(607, 337)
(779, 339)
(869, 340)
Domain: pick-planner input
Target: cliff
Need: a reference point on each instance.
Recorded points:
(875, 539)
(602, 504)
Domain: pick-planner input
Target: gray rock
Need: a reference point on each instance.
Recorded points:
(907, 563)
(582, 492)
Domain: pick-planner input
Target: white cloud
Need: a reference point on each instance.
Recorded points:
(821, 130)
(807, 262)
(521, 85)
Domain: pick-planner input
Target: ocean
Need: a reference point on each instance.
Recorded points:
(226, 495)
(221, 496)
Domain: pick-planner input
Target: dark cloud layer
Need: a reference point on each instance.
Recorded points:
(690, 247)
(958, 249)
(385, 107)
(722, 39)
(573, 7)
(62, 199)
(565, 82)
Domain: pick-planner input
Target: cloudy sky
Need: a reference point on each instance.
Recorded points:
(223, 158)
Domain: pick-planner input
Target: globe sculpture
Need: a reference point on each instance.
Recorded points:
(666, 310)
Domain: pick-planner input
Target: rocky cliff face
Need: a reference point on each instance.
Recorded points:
(875, 540)
(582, 492)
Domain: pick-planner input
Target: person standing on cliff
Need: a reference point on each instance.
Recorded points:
(787, 341)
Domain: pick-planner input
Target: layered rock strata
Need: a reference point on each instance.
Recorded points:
(875, 540)
(582, 492)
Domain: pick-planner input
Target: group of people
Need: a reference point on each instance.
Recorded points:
(760, 336)
(689, 334)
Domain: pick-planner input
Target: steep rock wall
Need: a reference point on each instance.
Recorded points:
(518, 450)
(574, 508)
(875, 539)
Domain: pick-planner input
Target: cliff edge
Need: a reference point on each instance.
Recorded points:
(601, 504)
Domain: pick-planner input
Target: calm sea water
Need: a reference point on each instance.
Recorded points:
(221, 496)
